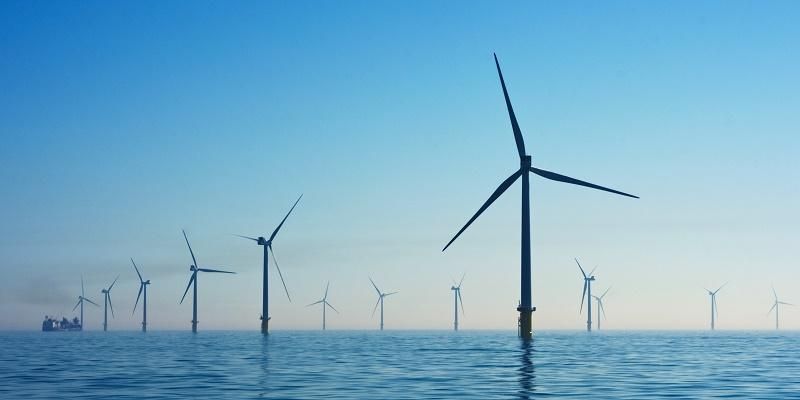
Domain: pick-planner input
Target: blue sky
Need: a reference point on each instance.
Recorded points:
(123, 123)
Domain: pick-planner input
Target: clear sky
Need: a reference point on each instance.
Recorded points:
(124, 122)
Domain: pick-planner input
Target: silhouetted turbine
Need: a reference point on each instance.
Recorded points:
(193, 280)
(81, 299)
(587, 295)
(381, 296)
(325, 304)
(525, 308)
(142, 288)
(107, 294)
(267, 243)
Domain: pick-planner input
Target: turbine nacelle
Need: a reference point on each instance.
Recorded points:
(192, 268)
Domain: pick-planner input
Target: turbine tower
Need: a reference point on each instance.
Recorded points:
(525, 167)
(107, 295)
(81, 299)
(267, 243)
(325, 305)
(142, 288)
(775, 306)
(601, 311)
(457, 299)
(193, 282)
(714, 311)
(381, 296)
(587, 295)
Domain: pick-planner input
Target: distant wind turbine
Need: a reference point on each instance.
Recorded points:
(193, 280)
(325, 305)
(81, 299)
(457, 299)
(714, 311)
(267, 243)
(587, 294)
(601, 311)
(775, 306)
(525, 308)
(381, 296)
(142, 288)
(107, 294)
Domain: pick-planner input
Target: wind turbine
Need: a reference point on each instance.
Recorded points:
(714, 311)
(381, 296)
(267, 243)
(457, 298)
(775, 306)
(587, 295)
(107, 294)
(601, 312)
(142, 288)
(81, 299)
(193, 280)
(525, 309)
(325, 304)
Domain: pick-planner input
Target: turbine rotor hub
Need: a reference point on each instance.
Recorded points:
(525, 162)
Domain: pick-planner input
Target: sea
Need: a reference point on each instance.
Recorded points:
(399, 365)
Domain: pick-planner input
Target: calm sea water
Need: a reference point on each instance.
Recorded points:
(397, 365)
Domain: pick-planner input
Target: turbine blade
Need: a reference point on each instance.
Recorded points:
(514, 125)
(188, 286)
(110, 305)
(462, 280)
(112, 283)
(602, 309)
(326, 290)
(583, 295)
(785, 303)
(375, 286)
(314, 303)
(141, 286)
(82, 293)
(284, 219)
(137, 270)
(215, 270)
(604, 293)
(720, 288)
(774, 293)
(561, 178)
(591, 273)
(246, 237)
(582, 271)
(332, 308)
(772, 308)
(91, 301)
(389, 294)
(461, 301)
(376, 307)
(194, 260)
(77, 304)
(499, 191)
(716, 307)
(272, 252)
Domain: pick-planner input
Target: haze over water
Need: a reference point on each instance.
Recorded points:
(402, 364)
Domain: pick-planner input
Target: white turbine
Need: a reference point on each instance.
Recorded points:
(601, 311)
(714, 311)
(381, 296)
(457, 299)
(775, 306)
(325, 305)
